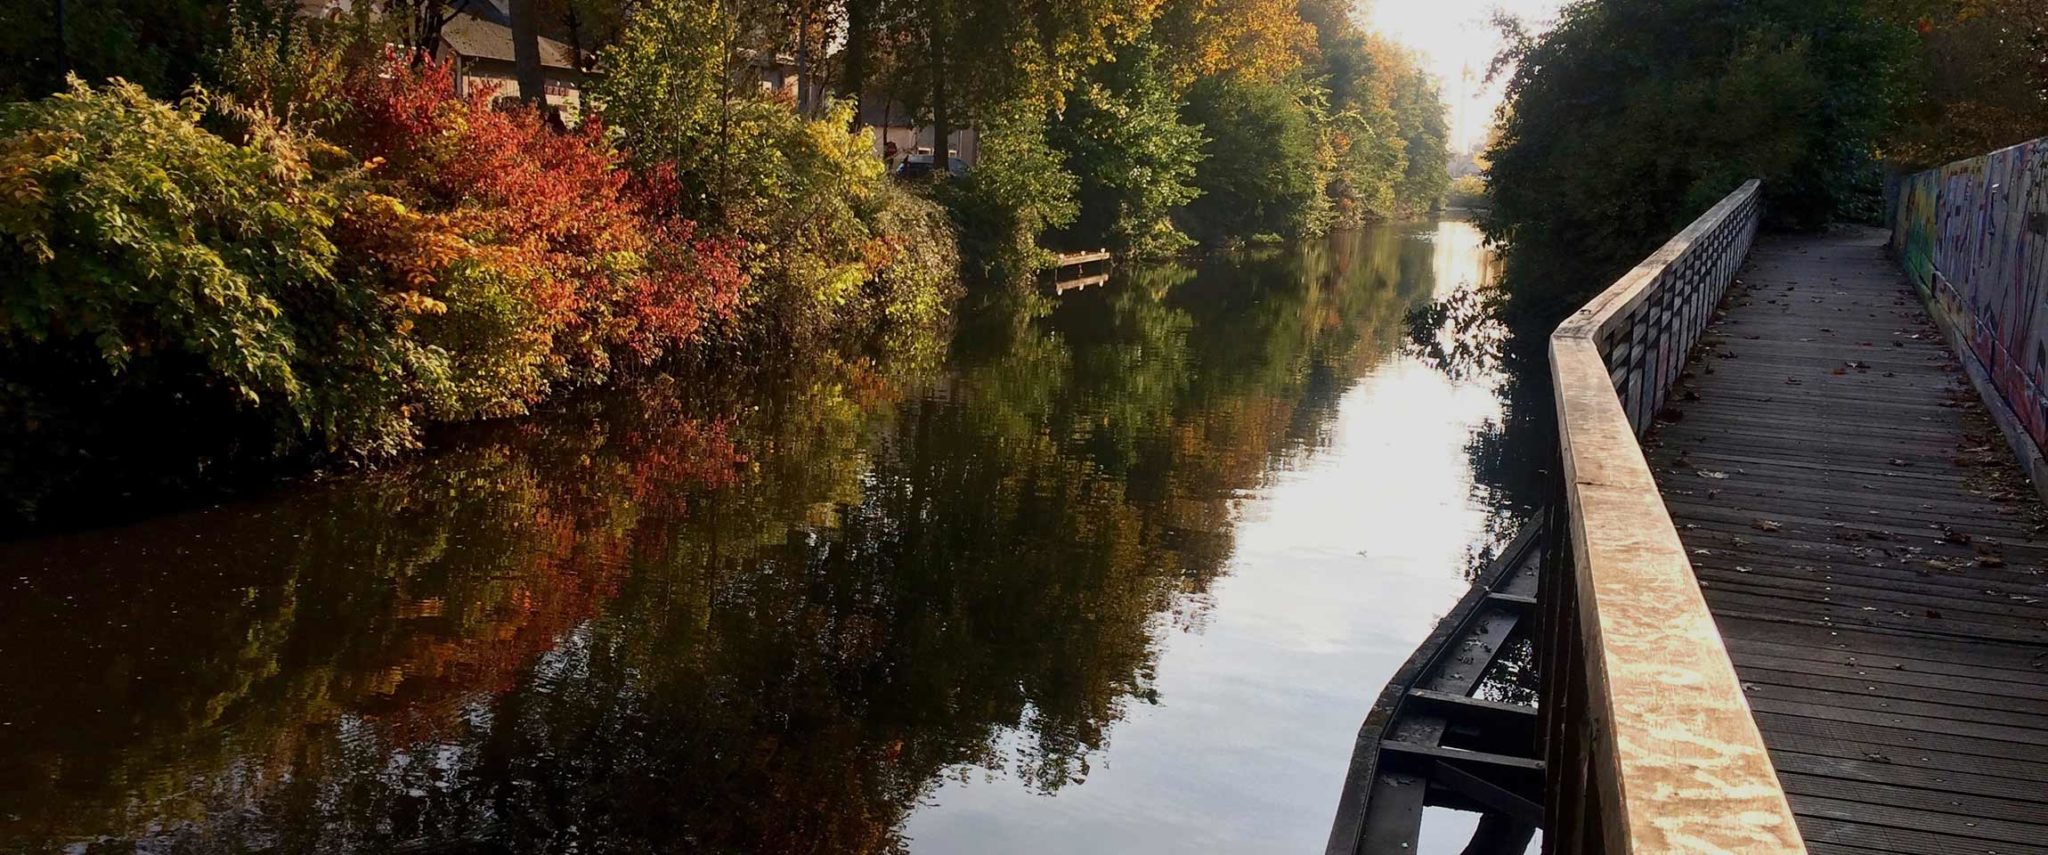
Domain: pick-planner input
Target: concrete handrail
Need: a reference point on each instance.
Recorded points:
(1665, 755)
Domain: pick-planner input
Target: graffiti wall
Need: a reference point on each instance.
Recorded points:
(1973, 236)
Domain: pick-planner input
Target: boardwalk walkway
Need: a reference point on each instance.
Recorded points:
(1870, 555)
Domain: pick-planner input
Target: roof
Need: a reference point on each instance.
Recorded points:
(474, 37)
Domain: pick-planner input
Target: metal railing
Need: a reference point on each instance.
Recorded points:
(1650, 744)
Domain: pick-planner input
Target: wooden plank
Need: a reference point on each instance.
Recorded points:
(1935, 785)
(1958, 828)
(1905, 841)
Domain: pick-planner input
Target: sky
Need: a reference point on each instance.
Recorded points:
(1453, 36)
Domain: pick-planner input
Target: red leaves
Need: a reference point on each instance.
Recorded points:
(605, 267)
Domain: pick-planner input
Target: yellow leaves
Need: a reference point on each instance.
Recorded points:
(415, 303)
(1259, 40)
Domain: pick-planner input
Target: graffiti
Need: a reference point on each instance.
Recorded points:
(1973, 237)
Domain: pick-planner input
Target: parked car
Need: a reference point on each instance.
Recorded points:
(919, 166)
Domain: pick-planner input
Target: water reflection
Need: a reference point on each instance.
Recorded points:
(781, 614)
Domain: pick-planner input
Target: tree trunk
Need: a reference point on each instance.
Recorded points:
(423, 24)
(576, 55)
(942, 127)
(859, 18)
(803, 60)
(533, 87)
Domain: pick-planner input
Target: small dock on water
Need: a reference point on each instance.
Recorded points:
(1073, 271)
(1791, 595)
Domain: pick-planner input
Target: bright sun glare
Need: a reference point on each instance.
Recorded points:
(1456, 43)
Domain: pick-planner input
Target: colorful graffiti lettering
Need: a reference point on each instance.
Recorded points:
(1973, 237)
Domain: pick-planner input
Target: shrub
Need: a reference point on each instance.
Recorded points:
(1134, 158)
(1017, 191)
(917, 273)
(1265, 162)
(542, 264)
(168, 255)
(809, 198)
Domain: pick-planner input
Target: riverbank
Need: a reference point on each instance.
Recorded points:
(998, 593)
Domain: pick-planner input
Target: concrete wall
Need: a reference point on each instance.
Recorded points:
(1973, 236)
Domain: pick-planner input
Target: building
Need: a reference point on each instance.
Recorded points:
(897, 134)
(477, 41)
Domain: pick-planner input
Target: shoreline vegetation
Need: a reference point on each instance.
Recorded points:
(237, 238)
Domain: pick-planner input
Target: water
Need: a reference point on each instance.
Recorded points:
(1122, 579)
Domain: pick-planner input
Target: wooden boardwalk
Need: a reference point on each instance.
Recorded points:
(1870, 554)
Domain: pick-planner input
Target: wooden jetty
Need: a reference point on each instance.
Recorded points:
(1073, 271)
(1794, 588)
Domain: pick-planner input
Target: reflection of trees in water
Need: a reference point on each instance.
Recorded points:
(1502, 330)
(721, 616)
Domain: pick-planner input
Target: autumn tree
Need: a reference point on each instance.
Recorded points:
(1261, 40)
(1977, 77)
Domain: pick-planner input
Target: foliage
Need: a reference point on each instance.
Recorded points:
(665, 89)
(1386, 124)
(1466, 191)
(1631, 117)
(1258, 40)
(162, 46)
(1134, 158)
(1264, 164)
(917, 279)
(1425, 136)
(150, 252)
(544, 265)
(1978, 75)
(1019, 190)
(806, 195)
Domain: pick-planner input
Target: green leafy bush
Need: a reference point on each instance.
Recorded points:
(1017, 191)
(1124, 140)
(167, 255)
(808, 197)
(1265, 163)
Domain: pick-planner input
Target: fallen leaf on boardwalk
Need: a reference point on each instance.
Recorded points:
(1793, 381)
(1766, 525)
(1708, 473)
(1990, 561)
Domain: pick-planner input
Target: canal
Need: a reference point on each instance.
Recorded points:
(1122, 578)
